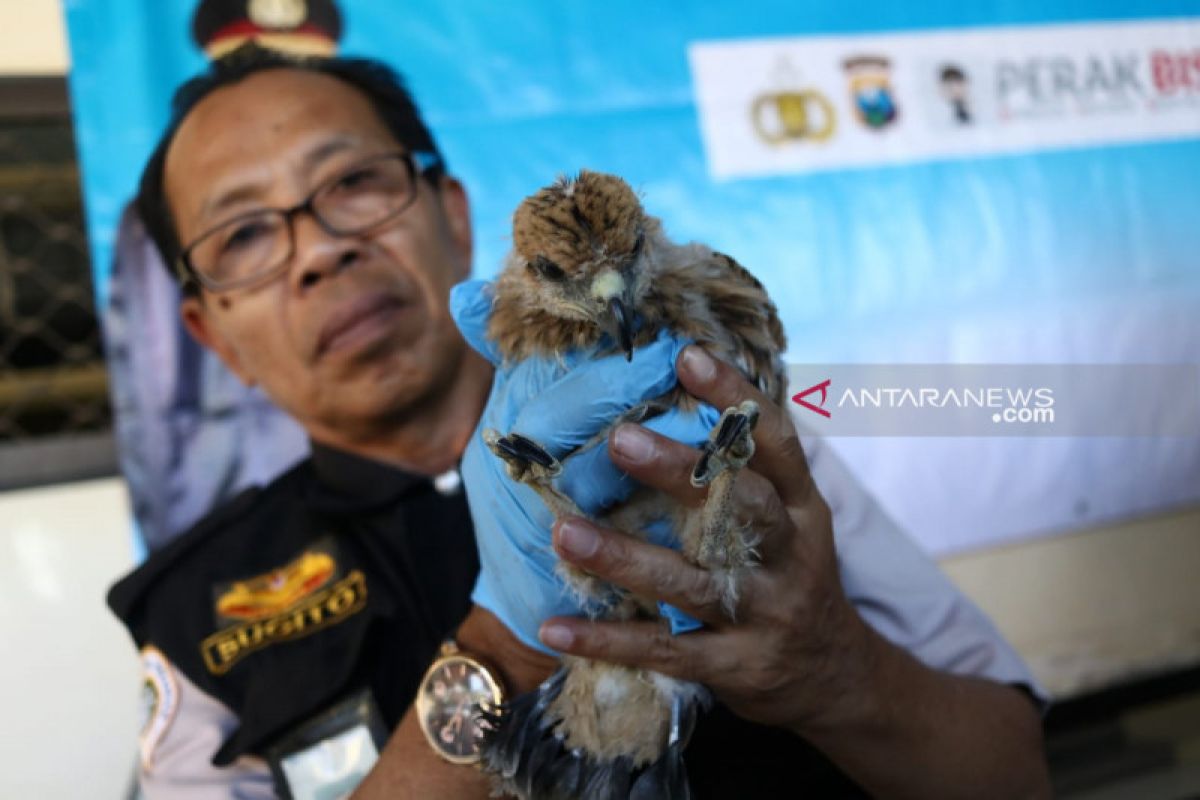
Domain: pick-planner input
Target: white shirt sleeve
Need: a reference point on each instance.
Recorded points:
(177, 761)
(900, 591)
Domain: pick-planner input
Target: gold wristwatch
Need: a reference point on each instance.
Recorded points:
(455, 687)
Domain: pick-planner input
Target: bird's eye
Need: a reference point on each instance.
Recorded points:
(547, 269)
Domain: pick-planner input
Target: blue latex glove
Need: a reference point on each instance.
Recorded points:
(560, 404)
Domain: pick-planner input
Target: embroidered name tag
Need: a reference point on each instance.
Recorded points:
(317, 610)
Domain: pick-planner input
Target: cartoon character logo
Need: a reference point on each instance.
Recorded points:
(956, 90)
(871, 91)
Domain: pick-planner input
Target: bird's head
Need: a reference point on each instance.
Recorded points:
(581, 241)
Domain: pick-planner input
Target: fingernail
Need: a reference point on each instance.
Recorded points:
(699, 363)
(633, 443)
(558, 637)
(577, 538)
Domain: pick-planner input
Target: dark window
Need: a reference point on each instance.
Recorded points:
(55, 418)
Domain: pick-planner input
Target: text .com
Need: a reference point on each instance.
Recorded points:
(1024, 414)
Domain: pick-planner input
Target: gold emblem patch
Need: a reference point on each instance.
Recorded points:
(318, 610)
(280, 589)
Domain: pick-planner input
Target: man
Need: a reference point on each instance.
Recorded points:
(319, 238)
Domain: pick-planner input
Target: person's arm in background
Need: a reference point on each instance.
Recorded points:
(799, 655)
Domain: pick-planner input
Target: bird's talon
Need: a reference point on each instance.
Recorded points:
(729, 445)
(532, 451)
(700, 476)
(523, 456)
(730, 430)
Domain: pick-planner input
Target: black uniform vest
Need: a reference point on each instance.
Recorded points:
(345, 573)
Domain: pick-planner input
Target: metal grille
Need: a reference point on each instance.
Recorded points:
(52, 377)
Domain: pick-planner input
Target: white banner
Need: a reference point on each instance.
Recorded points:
(798, 104)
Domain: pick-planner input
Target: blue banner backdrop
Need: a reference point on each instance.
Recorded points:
(1058, 249)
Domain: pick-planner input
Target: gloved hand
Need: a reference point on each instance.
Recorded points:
(561, 404)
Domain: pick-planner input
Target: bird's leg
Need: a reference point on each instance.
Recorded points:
(528, 462)
(719, 543)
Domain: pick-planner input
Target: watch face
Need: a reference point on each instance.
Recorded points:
(448, 706)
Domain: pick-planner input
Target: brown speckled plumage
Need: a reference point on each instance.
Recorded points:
(578, 246)
(583, 225)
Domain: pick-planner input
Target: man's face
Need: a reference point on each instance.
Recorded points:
(355, 334)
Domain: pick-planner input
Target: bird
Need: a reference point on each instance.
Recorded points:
(590, 270)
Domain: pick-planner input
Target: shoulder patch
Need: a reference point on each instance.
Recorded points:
(160, 701)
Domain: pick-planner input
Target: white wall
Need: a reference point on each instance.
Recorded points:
(1095, 607)
(32, 38)
(69, 677)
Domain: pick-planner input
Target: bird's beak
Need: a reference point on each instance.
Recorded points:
(624, 325)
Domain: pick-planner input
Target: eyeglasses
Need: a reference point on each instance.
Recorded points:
(255, 247)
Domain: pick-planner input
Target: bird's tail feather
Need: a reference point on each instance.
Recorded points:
(530, 758)
(513, 731)
(665, 779)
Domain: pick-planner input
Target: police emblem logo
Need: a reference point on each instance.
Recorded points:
(160, 702)
(871, 91)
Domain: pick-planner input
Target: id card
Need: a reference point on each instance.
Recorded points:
(327, 757)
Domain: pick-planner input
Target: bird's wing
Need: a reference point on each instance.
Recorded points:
(711, 298)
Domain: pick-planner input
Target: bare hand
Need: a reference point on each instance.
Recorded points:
(796, 648)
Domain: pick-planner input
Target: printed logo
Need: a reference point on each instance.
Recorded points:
(823, 388)
(871, 91)
(278, 590)
(327, 607)
(955, 89)
(793, 113)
